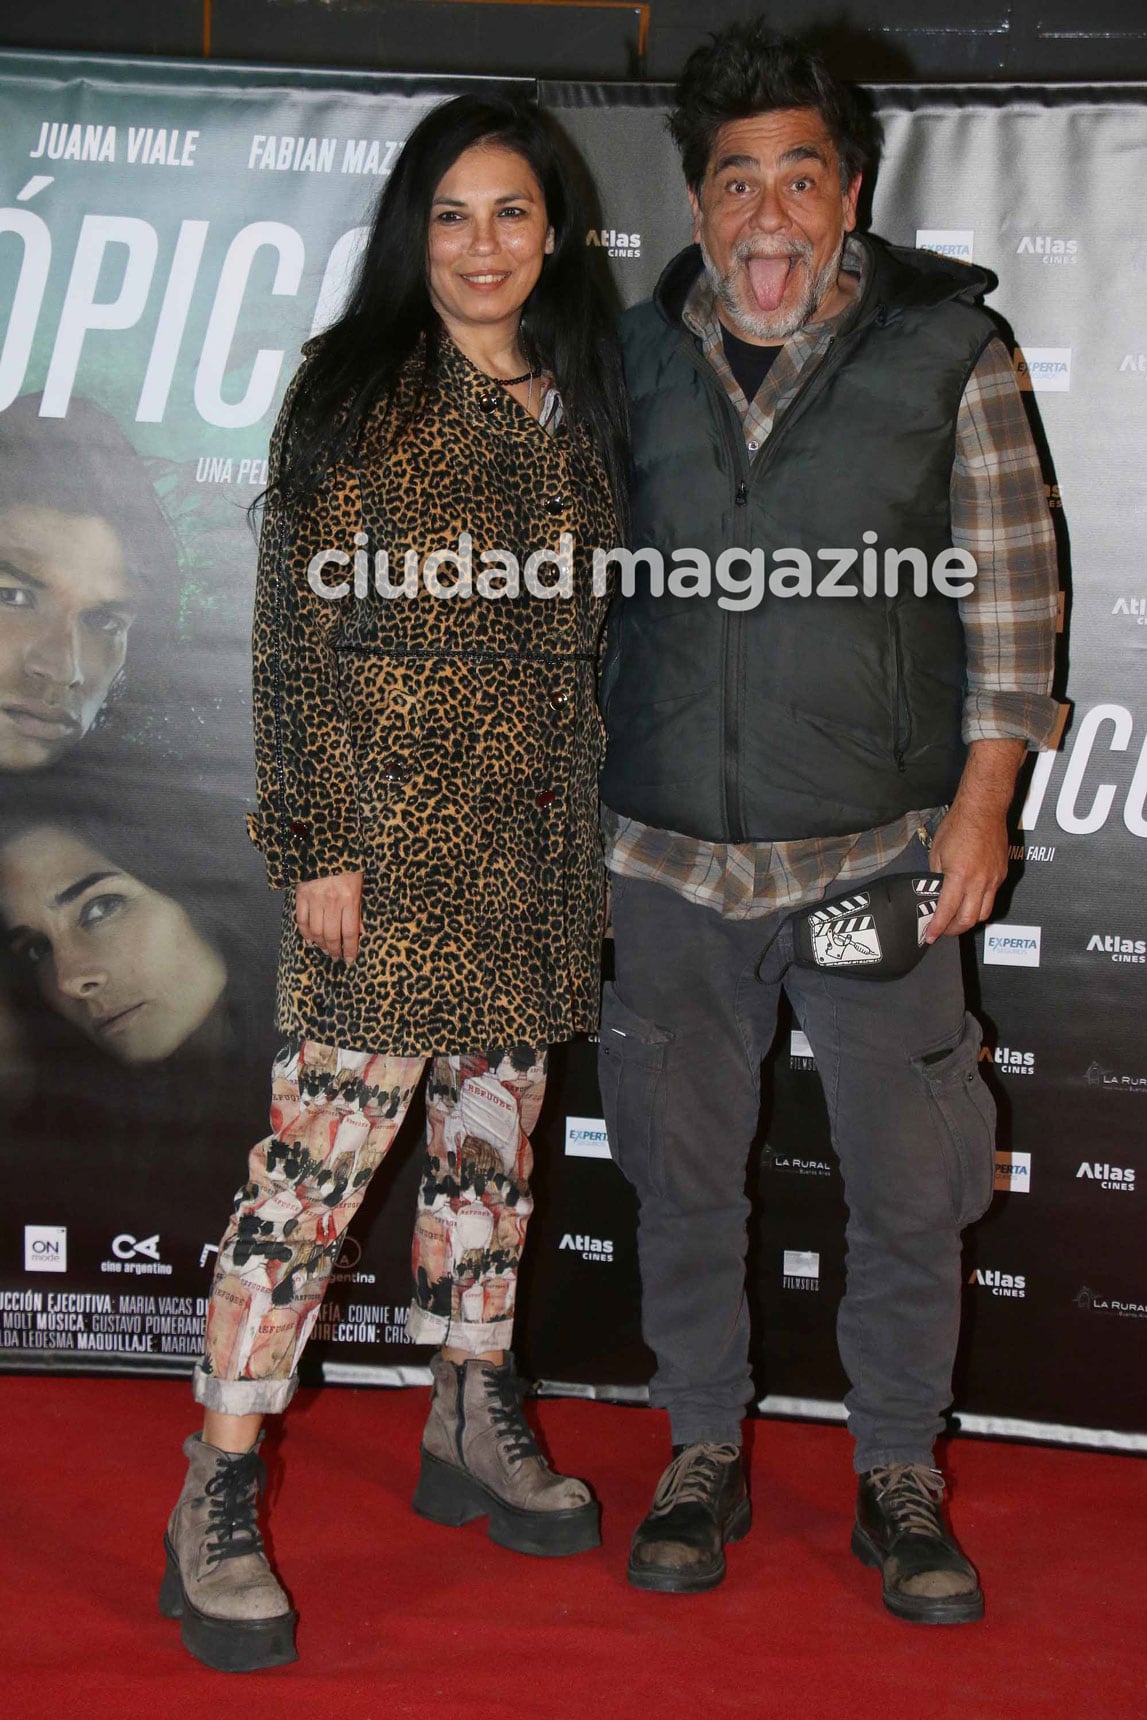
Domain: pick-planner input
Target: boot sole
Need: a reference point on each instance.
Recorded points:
(226, 1645)
(918, 1609)
(451, 1496)
(677, 1582)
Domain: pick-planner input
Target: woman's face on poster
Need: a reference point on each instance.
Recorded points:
(66, 605)
(122, 962)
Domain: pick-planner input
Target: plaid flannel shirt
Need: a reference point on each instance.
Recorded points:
(1000, 514)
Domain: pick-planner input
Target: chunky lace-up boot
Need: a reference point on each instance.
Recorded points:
(479, 1459)
(700, 1504)
(900, 1530)
(232, 1613)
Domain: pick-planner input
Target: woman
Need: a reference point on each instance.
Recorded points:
(84, 548)
(427, 798)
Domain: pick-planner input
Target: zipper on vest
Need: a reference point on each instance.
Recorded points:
(901, 713)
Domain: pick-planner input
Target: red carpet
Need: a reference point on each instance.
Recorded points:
(401, 1618)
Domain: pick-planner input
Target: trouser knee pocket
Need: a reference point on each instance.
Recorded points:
(965, 1116)
(632, 1073)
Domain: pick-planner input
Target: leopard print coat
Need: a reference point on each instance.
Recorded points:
(446, 746)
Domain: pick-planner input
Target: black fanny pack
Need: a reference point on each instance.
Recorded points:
(876, 932)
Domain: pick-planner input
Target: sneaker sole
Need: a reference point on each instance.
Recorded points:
(675, 1582)
(451, 1496)
(225, 1645)
(918, 1609)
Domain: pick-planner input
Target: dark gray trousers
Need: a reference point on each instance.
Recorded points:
(685, 1027)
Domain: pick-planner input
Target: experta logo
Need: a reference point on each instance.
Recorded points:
(1011, 945)
(1047, 248)
(1119, 1179)
(800, 1269)
(1013, 1173)
(45, 1248)
(1043, 369)
(596, 1249)
(1012, 1284)
(954, 242)
(586, 1138)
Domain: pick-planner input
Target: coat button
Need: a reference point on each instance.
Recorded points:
(300, 830)
(547, 797)
(555, 505)
(395, 770)
(488, 403)
(559, 698)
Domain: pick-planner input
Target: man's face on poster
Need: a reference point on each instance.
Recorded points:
(121, 961)
(66, 605)
(770, 217)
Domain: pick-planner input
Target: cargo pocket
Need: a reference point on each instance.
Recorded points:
(966, 1121)
(631, 1070)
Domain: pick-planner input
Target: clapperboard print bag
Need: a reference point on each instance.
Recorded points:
(872, 933)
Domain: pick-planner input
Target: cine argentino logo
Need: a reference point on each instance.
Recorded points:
(742, 576)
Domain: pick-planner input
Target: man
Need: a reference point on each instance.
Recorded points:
(799, 388)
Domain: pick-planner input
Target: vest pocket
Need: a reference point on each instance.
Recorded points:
(632, 1054)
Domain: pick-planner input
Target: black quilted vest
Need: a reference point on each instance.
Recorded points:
(804, 716)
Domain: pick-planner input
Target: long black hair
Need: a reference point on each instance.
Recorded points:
(567, 325)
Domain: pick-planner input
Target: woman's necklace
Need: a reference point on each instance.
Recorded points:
(513, 381)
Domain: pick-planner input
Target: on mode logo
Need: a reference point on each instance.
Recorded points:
(586, 1138)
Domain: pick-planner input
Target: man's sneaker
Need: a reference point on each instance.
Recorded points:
(900, 1530)
(480, 1459)
(233, 1615)
(701, 1503)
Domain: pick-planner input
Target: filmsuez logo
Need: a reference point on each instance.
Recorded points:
(1092, 1303)
(45, 1248)
(128, 1251)
(1084, 805)
(800, 1051)
(999, 1283)
(800, 1269)
(1120, 1179)
(1043, 369)
(613, 242)
(954, 242)
(1008, 1060)
(586, 1138)
(1134, 608)
(1117, 949)
(593, 1248)
(1011, 945)
(1047, 248)
(1013, 1173)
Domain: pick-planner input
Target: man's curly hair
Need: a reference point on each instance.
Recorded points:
(749, 69)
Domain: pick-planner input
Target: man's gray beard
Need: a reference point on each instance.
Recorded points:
(758, 325)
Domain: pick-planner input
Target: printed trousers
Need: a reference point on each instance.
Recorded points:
(334, 1115)
(685, 1026)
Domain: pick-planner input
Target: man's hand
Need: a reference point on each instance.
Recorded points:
(328, 912)
(971, 845)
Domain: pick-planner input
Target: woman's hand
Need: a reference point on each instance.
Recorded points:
(328, 912)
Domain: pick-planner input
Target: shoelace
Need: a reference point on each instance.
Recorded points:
(692, 1477)
(505, 1408)
(911, 1496)
(233, 1492)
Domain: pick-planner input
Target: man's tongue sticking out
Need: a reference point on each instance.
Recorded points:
(768, 277)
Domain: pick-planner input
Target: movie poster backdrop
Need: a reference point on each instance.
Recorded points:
(170, 234)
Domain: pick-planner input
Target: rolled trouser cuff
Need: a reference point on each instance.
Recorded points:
(473, 1335)
(242, 1397)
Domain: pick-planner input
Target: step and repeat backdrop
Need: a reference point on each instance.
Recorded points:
(170, 233)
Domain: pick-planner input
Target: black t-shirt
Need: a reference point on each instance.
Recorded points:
(750, 364)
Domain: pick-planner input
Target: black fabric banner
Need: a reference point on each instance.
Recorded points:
(171, 233)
